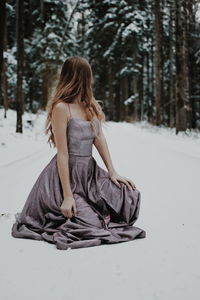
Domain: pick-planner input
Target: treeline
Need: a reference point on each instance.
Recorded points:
(145, 56)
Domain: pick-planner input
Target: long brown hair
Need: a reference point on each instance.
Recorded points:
(75, 81)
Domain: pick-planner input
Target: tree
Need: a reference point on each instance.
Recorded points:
(2, 37)
(182, 71)
(20, 61)
(158, 66)
(145, 56)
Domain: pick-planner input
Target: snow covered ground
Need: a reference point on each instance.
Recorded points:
(163, 266)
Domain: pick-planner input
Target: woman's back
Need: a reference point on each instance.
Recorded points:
(80, 135)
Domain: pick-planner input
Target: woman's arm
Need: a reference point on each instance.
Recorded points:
(59, 127)
(102, 147)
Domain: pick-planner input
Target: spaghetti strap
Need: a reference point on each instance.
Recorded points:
(69, 111)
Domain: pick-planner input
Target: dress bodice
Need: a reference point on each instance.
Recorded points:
(80, 136)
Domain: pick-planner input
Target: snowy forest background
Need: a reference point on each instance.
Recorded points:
(145, 56)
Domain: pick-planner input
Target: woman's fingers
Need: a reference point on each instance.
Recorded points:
(126, 182)
(67, 213)
(132, 184)
(116, 182)
(129, 183)
(74, 210)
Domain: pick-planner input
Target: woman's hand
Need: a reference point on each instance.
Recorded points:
(68, 207)
(117, 178)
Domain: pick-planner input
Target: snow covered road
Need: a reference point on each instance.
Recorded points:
(163, 266)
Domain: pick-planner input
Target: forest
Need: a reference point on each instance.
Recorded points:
(145, 56)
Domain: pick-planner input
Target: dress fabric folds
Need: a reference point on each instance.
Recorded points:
(105, 212)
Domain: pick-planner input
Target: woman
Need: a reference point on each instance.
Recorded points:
(74, 202)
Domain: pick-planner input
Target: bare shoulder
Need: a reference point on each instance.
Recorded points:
(60, 110)
(60, 106)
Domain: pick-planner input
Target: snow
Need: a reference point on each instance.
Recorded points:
(198, 12)
(164, 265)
(131, 99)
(130, 29)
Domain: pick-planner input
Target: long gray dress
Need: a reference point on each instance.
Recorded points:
(105, 213)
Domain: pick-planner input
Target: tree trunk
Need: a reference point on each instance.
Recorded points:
(148, 95)
(2, 35)
(141, 88)
(193, 70)
(4, 77)
(29, 35)
(171, 121)
(158, 71)
(20, 60)
(117, 102)
(45, 87)
(111, 96)
(124, 96)
(152, 84)
(136, 98)
(182, 82)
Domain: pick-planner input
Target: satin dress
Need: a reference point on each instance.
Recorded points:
(105, 213)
